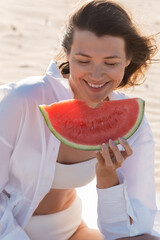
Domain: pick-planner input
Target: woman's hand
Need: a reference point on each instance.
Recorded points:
(109, 159)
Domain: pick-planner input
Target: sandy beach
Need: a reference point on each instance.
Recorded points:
(29, 38)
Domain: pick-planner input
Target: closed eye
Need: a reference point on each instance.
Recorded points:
(83, 61)
(111, 64)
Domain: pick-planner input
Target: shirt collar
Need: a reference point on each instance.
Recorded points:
(53, 70)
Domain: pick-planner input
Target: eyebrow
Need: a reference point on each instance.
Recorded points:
(85, 55)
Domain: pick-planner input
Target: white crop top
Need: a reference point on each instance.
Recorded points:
(74, 175)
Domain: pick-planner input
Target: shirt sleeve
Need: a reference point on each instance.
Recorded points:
(9, 229)
(134, 197)
(10, 119)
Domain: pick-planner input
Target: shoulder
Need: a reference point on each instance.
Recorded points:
(27, 89)
(30, 88)
(117, 95)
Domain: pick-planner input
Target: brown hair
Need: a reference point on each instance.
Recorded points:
(104, 17)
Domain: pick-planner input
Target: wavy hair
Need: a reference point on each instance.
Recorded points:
(103, 17)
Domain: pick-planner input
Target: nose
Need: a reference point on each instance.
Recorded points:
(96, 73)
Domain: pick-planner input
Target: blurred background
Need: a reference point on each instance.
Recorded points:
(30, 33)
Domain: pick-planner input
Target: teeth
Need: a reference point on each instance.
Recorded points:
(95, 86)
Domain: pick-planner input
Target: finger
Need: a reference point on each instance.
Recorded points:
(128, 150)
(100, 158)
(106, 155)
(118, 155)
(112, 155)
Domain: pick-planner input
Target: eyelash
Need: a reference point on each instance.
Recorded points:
(111, 64)
(85, 62)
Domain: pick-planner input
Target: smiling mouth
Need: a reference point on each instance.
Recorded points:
(95, 86)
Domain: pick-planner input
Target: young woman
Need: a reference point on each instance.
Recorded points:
(102, 52)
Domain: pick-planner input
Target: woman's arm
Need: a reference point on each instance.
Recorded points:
(10, 117)
(126, 207)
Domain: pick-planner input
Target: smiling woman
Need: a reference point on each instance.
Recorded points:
(102, 51)
(96, 71)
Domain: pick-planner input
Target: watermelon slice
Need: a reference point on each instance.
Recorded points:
(76, 124)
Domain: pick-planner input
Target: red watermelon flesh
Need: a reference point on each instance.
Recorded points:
(76, 124)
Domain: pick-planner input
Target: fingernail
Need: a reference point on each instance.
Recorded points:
(121, 139)
(104, 146)
(111, 141)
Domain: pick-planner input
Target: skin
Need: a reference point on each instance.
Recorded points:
(97, 66)
(108, 161)
(96, 60)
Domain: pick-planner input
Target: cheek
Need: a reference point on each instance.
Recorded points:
(75, 71)
(117, 74)
(72, 70)
(74, 75)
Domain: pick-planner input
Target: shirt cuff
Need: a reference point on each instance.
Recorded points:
(112, 204)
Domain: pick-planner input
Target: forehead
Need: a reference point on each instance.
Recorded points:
(88, 42)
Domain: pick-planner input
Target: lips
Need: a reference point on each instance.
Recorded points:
(95, 86)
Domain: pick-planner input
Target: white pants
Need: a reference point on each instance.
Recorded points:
(56, 226)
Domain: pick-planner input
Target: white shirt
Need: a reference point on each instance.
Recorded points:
(28, 153)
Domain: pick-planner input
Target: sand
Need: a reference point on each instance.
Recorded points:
(29, 38)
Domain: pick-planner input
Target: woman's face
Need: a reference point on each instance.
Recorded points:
(97, 65)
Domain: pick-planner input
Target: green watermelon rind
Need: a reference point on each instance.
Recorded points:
(141, 104)
(139, 119)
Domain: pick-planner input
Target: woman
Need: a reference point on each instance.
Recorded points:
(103, 51)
